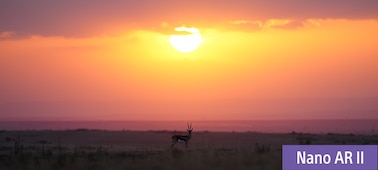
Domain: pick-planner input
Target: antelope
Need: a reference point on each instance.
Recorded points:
(183, 138)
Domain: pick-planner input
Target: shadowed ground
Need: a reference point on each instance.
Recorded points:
(96, 149)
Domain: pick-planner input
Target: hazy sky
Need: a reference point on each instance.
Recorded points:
(272, 59)
(71, 18)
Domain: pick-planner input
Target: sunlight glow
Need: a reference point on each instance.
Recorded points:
(186, 42)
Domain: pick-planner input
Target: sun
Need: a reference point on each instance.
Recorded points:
(187, 41)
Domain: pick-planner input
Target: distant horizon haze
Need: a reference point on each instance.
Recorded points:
(242, 109)
(350, 126)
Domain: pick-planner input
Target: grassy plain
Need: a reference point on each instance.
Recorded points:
(98, 149)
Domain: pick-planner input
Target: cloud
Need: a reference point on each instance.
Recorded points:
(257, 25)
(73, 18)
(6, 34)
(245, 25)
(285, 24)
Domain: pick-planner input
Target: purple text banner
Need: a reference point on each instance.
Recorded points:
(329, 157)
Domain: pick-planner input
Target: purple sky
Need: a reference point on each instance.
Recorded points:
(90, 18)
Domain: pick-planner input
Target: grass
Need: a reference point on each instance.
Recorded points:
(173, 159)
(93, 149)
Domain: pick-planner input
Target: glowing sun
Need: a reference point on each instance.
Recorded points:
(188, 40)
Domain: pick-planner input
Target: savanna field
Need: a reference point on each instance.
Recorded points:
(100, 149)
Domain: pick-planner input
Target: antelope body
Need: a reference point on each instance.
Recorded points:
(183, 138)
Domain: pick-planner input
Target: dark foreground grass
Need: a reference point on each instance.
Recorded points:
(171, 159)
(101, 150)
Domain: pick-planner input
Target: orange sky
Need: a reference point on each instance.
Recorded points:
(258, 60)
